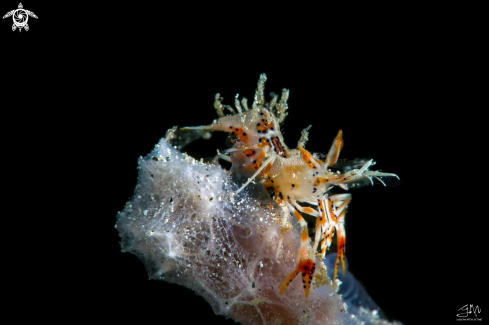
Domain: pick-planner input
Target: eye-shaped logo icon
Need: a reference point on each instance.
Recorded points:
(20, 17)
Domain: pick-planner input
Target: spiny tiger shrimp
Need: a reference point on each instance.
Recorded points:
(295, 175)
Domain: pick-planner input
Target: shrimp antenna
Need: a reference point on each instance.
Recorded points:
(282, 106)
(304, 137)
(259, 96)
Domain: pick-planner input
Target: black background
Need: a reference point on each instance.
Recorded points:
(82, 100)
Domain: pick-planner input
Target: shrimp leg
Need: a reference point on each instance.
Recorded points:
(306, 264)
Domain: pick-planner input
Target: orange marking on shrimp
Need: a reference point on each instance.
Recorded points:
(331, 233)
(243, 138)
(328, 179)
(240, 133)
(326, 242)
(267, 169)
(277, 146)
(326, 239)
(308, 158)
(276, 192)
(287, 281)
(248, 152)
(261, 128)
(318, 233)
(302, 222)
(340, 255)
(321, 208)
(306, 267)
(343, 205)
(323, 251)
(331, 210)
(267, 124)
(257, 162)
(341, 240)
(298, 216)
(335, 149)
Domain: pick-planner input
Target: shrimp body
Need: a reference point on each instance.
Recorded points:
(256, 131)
(295, 175)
